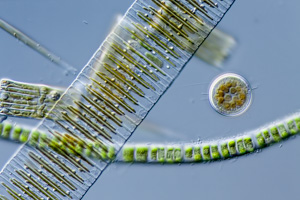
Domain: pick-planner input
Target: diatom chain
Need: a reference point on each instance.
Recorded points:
(109, 98)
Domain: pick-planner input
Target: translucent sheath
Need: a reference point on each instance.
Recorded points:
(219, 149)
(180, 152)
(110, 97)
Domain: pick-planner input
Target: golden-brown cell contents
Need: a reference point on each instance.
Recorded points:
(230, 94)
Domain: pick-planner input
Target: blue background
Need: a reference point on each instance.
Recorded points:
(267, 55)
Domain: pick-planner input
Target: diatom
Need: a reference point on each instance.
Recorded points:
(36, 46)
(157, 41)
(63, 166)
(12, 192)
(5, 198)
(28, 178)
(52, 171)
(46, 180)
(230, 94)
(149, 47)
(100, 87)
(27, 100)
(24, 188)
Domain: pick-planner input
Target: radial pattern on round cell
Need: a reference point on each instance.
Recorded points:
(230, 94)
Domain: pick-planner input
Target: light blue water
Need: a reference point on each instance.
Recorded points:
(267, 55)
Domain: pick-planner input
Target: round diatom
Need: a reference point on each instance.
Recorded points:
(230, 94)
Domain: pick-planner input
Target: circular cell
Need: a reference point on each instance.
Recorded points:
(230, 94)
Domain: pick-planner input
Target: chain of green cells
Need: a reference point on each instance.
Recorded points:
(144, 153)
(123, 80)
(180, 152)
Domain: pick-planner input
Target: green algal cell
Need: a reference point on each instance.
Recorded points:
(267, 136)
(97, 145)
(282, 130)
(240, 146)
(24, 135)
(161, 154)
(275, 134)
(154, 59)
(128, 154)
(142, 154)
(88, 152)
(143, 44)
(206, 152)
(292, 127)
(70, 149)
(43, 137)
(103, 154)
(215, 152)
(80, 142)
(248, 144)
(43, 140)
(232, 148)
(64, 140)
(153, 153)
(6, 130)
(170, 154)
(89, 149)
(177, 155)
(188, 152)
(297, 121)
(197, 154)
(16, 133)
(224, 150)
(79, 149)
(53, 144)
(111, 153)
(260, 140)
(99, 151)
(34, 138)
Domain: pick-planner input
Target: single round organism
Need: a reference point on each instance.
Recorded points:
(230, 94)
